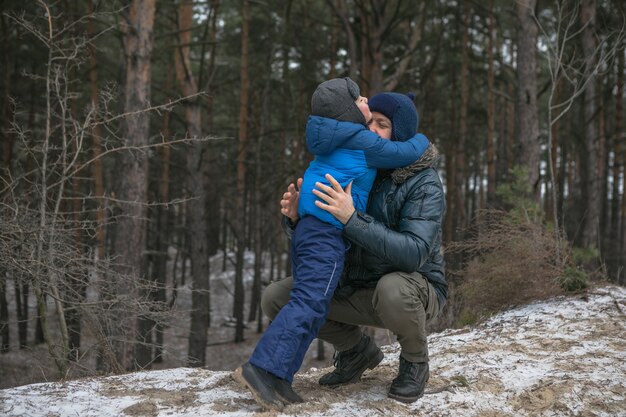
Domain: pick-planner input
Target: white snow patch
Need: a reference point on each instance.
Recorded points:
(562, 357)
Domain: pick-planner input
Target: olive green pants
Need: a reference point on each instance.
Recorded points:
(401, 302)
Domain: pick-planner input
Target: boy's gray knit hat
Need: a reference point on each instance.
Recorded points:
(335, 99)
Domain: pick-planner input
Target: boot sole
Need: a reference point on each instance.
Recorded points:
(371, 365)
(406, 400)
(238, 376)
(287, 401)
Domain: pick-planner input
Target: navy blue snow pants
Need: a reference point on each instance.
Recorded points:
(317, 254)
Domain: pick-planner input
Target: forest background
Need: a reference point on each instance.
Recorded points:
(142, 138)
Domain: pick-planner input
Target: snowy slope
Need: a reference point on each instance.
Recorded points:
(563, 357)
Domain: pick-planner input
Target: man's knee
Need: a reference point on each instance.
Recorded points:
(275, 296)
(395, 290)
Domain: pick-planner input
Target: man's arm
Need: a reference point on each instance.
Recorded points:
(409, 247)
(406, 248)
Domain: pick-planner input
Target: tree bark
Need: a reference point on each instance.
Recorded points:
(213, 208)
(591, 182)
(491, 111)
(527, 126)
(130, 236)
(4, 315)
(5, 169)
(164, 231)
(264, 124)
(196, 186)
(242, 150)
(460, 159)
(96, 136)
(555, 134)
(618, 234)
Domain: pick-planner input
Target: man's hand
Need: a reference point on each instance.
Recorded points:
(289, 202)
(338, 201)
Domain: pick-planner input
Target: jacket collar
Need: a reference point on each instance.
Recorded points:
(430, 158)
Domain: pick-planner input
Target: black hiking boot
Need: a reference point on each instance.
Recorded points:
(285, 392)
(350, 364)
(411, 381)
(261, 383)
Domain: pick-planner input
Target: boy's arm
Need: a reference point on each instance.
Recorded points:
(324, 135)
(384, 153)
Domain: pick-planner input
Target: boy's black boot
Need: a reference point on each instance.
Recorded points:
(411, 381)
(350, 364)
(261, 383)
(286, 393)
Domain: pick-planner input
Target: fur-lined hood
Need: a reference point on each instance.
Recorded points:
(430, 158)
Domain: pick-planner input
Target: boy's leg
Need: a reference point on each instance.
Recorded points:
(318, 253)
(345, 315)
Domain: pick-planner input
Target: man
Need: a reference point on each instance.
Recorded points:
(394, 275)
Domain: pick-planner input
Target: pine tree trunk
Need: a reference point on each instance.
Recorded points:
(96, 135)
(213, 207)
(619, 167)
(164, 230)
(197, 172)
(5, 169)
(556, 177)
(4, 315)
(77, 284)
(450, 220)
(461, 160)
(21, 307)
(491, 112)
(591, 181)
(527, 126)
(130, 236)
(242, 150)
(97, 167)
(603, 183)
(510, 138)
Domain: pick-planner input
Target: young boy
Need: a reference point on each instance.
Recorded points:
(336, 133)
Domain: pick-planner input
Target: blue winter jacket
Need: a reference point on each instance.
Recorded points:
(350, 152)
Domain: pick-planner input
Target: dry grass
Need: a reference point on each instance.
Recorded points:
(508, 263)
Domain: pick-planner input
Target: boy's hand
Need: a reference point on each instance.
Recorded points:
(289, 202)
(339, 201)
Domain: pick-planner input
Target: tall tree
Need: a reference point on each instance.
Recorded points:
(5, 169)
(461, 157)
(164, 230)
(618, 216)
(527, 124)
(242, 151)
(491, 109)
(197, 176)
(590, 181)
(96, 137)
(130, 234)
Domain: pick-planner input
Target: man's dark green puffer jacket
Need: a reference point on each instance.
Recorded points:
(401, 230)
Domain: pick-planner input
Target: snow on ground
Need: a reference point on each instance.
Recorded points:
(562, 357)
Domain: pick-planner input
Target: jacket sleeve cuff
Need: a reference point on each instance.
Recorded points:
(357, 223)
(288, 226)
